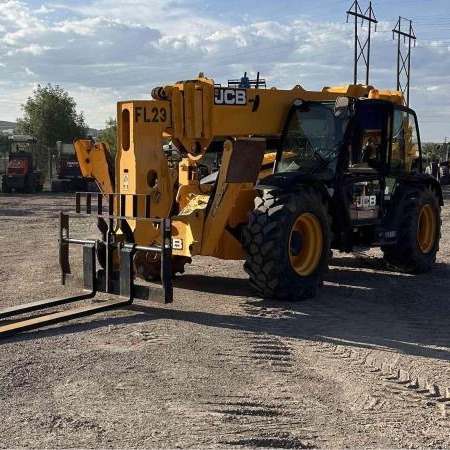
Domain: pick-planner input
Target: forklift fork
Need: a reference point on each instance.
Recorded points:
(94, 281)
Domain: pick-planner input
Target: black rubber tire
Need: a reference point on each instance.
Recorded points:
(91, 186)
(30, 186)
(56, 186)
(406, 255)
(266, 244)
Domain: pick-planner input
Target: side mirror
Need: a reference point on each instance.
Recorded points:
(342, 107)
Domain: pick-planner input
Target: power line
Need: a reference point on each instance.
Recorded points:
(362, 50)
(404, 62)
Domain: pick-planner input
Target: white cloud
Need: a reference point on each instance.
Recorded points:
(102, 51)
(83, 27)
(19, 16)
(44, 9)
(29, 72)
(171, 17)
(32, 49)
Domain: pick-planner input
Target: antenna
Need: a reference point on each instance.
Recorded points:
(362, 50)
(404, 63)
(246, 82)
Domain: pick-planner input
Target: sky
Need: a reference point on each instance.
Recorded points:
(104, 51)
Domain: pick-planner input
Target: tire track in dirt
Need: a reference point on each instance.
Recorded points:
(394, 374)
(264, 414)
(413, 386)
(422, 323)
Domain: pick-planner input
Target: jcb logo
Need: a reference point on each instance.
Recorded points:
(177, 244)
(226, 96)
(366, 201)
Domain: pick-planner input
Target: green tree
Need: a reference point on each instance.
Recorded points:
(4, 148)
(4, 143)
(109, 135)
(431, 151)
(50, 115)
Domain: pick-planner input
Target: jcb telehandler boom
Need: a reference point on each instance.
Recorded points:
(346, 172)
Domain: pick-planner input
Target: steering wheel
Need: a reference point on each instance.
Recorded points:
(318, 156)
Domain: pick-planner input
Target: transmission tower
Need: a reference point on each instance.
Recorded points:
(362, 49)
(404, 61)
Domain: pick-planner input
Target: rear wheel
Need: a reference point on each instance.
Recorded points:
(5, 188)
(418, 234)
(287, 244)
(56, 186)
(31, 183)
(91, 186)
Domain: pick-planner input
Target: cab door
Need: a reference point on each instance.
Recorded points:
(405, 155)
(363, 184)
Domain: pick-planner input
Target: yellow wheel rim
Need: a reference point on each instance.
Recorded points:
(305, 244)
(426, 228)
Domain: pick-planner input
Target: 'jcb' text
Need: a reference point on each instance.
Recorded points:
(366, 201)
(224, 96)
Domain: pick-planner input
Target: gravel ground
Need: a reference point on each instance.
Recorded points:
(364, 364)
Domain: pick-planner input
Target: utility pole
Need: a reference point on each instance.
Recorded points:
(404, 62)
(362, 49)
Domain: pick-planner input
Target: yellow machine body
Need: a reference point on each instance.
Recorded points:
(193, 114)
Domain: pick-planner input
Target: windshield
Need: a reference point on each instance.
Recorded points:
(312, 139)
(66, 149)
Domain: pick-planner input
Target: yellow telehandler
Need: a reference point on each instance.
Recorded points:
(274, 177)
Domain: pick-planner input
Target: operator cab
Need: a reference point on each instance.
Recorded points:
(359, 149)
(366, 134)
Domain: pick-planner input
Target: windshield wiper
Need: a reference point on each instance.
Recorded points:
(324, 161)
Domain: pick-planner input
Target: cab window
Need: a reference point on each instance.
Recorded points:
(368, 144)
(405, 143)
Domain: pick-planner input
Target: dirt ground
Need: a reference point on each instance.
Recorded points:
(364, 364)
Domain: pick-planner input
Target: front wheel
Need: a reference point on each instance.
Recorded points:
(287, 244)
(30, 185)
(418, 233)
